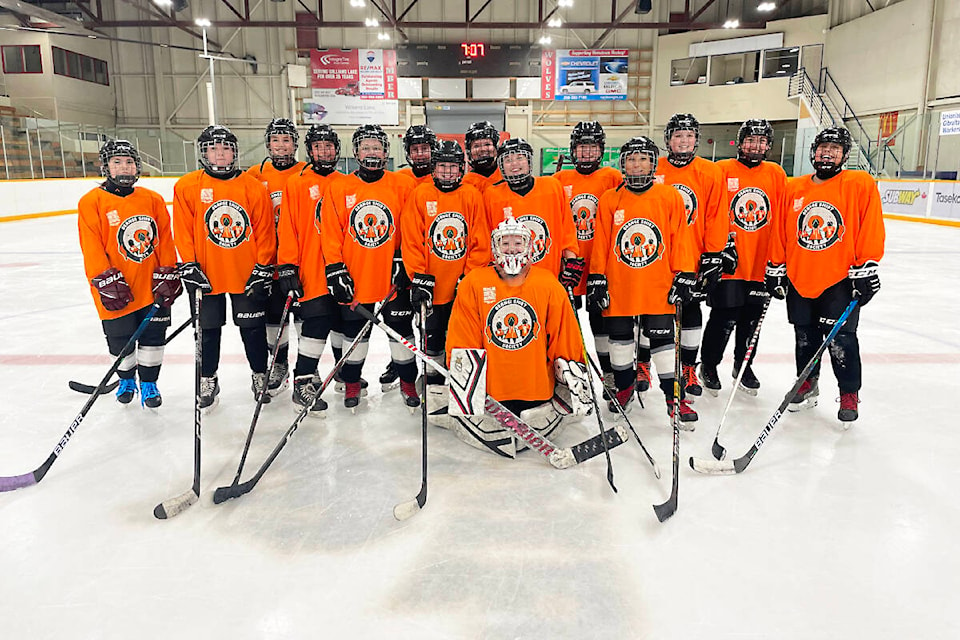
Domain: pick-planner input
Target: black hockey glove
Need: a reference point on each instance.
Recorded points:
(711, 268)
(339, 283)
(865, 281)
(114, 291)
(398, 275)
(166, 285)
(571, 272)
(598, 296)
(730, 256)
(682, 289)
(421, 290)
(193, 278)
(260, 283)
(775, 280)
(288, 279)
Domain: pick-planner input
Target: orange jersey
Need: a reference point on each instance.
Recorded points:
(274, 181)
(300, 229)
(700, 184)
(131, 234)
(408, 171)
(756, 203)
(641, 241)
(225, 225)
(523, 329)
(481, 182)
(544, 211)
(828, 228)
(583, 193)
(444, 235)
(360, 224)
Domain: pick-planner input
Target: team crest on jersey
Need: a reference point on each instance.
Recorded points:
(584, 207)
(371, 224)
(540, 235)
(690, 203)
(750, 209)
(819, 226)
(276, 198)
(136, 237)
(512, 324)
(448, 236)
(639, 243)
(206, 196)
(227, 224)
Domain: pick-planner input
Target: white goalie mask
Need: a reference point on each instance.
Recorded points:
(511, 244)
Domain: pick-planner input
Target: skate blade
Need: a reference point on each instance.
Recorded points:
(714, 392)
(845, 425)
(748, 390)
(687, 426)
(213, 405)
(389, 386)
(809, 403)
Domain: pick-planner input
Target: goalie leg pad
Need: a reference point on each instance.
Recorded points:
(544, 420)
(573, 375)
(468, 382)
(485, 434)
(438, 397)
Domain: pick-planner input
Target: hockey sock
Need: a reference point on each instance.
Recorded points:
(663, 358)
(808, 340)
(255, 347)
(211, 352)
(404, 360)
(308, 355)
(716, 335)
(149, 359)
(845, 359)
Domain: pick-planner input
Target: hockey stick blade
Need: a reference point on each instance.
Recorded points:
(712, 467)
(717, 449)
(666, 509)
(12, 483)
(408, 509)
(222, 494)
(175, 506)
(88, 389)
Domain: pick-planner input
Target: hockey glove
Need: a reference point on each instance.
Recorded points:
(114, 291)
(260, 283)
(711, 268)
(730, 256)
(193, 278)
(598, 296)
(339, 283)
(398, 275)
(775, 280)
(571, 272)
(682, 289)
(573, 375)
(865, 281)
(166, 284)
(288, 279)
(421, 290)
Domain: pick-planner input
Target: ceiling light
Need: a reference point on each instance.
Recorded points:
(371, 22)
(564, 3)
(383, 36)
(554, 22)
(731, 24)
(202, 22)
(357, 3)
(766, 6)
(163, 3)
(544, 40)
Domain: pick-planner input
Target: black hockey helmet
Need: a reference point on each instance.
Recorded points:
(418, 134)
(754, 127)
(642, 145)
(510, 147)
(213, 135)
(322, 133)
(681, 122)
(590, 132)
(119, 148)
(483, 130)
(371, 132)
(282, 126)
(448, 151)
(838, 135)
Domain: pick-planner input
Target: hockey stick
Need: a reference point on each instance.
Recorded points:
(669, 507)
(559, 457)
(10, 483)
(718, 451)
(726, 467)
(222, 494)
(593, 393)
(178, 504)
(80, 387)
(406, 509)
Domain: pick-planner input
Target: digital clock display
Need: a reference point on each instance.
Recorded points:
(474, 59)
(473, 49)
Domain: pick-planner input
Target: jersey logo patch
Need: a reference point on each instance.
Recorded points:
(206, 196)
(568, 190)
(314, 192)
(733, 184)
(228, 225)
(136, 238)
(540, 234)
(750, 209)
(659, 178)
(371, 224)
(431, 207)
(690, 203)
(618, 216)
(639, 243)
(447, 237)
(489, 295)
(819, 226)
(798, 204)
(512, 324)
(113, 218)
(351, 200)
(584, 208)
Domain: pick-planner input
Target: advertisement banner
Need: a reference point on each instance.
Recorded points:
(584, 74)
(352, 87)
(945, 200)
(907, 198)
(950, 123)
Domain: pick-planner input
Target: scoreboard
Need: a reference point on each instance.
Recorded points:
(467, 59)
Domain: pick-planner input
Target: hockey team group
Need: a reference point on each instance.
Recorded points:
(492, 264)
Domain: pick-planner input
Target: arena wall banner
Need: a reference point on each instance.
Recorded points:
(923, 199)
(584, 74)
(352, 87)
(950, 123)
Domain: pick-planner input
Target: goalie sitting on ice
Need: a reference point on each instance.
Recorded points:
(513, 336)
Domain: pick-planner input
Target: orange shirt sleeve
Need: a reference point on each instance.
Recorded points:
(184, 217)
(261, 214)
(601, 234)
(716, 221)
(465, 330)
(332, 224)
(682, 249)
(166, 251)
(92, 244)
(288, 243)
(872, 235)
(412, 233)
(478, 251)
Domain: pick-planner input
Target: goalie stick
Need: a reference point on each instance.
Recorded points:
(408, 508)
(181, 503)
(669, 507)
(222, 494)
(718, 451)
(559, 457)
(727, 467)
(80, 387)
(11, 483)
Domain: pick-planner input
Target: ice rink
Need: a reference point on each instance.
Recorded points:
(828, 535)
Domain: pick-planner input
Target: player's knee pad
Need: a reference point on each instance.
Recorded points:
(485, 434)
(544, 420)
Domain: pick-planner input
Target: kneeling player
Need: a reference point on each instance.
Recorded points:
(521, 317)
(129, 258)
